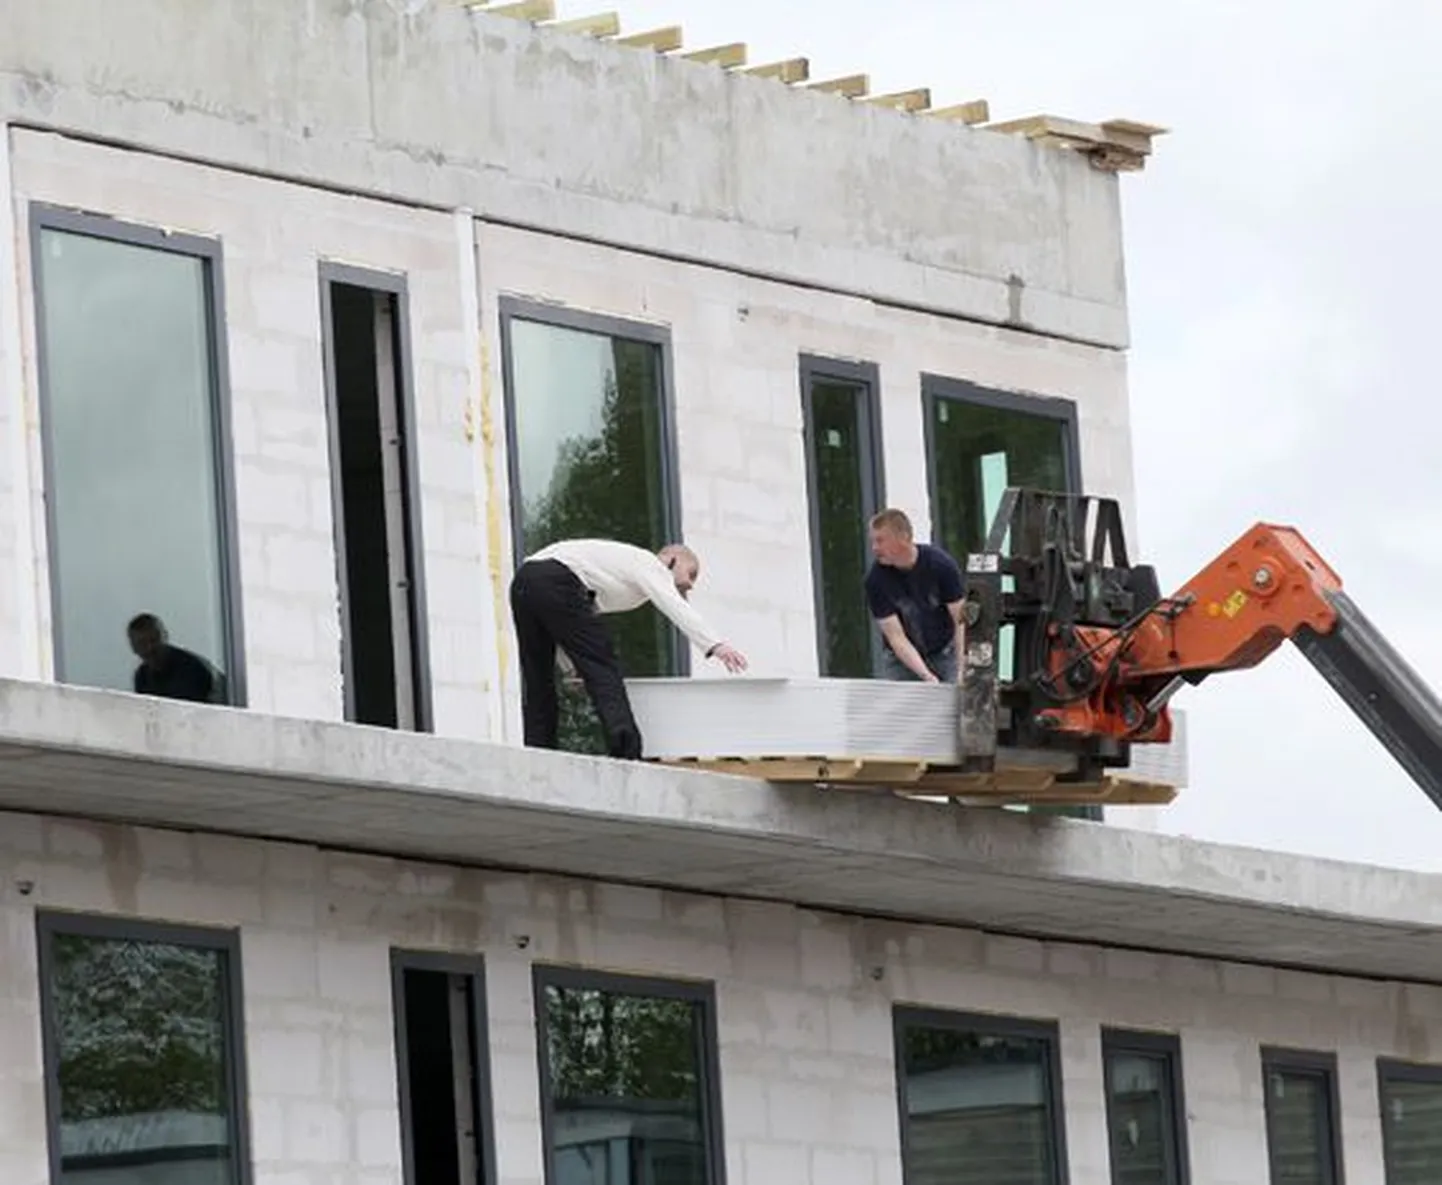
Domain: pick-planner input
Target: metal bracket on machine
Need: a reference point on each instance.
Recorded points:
(1067, 557)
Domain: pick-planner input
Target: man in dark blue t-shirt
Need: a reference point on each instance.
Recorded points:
(915, 593)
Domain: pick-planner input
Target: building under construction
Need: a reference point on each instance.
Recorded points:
(315, 319)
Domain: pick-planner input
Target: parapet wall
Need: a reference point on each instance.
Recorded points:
(437, 104)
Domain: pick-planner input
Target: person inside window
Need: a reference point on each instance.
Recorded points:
(167, 670)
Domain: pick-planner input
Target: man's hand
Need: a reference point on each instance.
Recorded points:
(731, 658)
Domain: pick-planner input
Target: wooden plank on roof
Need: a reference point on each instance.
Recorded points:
(789, 71)
(525, 10)
(851, 86)
(728, 57)
(600, 24)
(665, 40)
(912, 100)
(973, 112)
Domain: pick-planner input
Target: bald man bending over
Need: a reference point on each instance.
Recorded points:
(557, 598)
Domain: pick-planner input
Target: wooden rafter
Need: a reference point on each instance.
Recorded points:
(1116, 146)
(974, 112)
(601, 24)
(666, 40)
(912, 100)
(728, 57)
(851, 86)
(524, 10)
(789, 71)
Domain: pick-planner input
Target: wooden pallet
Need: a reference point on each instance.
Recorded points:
(920, 779)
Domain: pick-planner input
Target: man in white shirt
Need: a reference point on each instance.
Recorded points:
(557, 598)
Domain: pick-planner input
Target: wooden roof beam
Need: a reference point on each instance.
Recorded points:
(850, 86)
(665, 40)
(534, 11)
(912, 100)
(789, 71)
(728, 57)
(974, 112)
(1116, 146)
(601, 24)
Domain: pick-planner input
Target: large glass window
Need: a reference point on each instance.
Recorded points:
(1303, 1138)
(628, 1079)
(979, 443)
(983, 441)
(982, 1102)
(142, 1030)
(1411, 1097)
(839, 402)
(136, 485)
(1145, 1117)
(591, 457)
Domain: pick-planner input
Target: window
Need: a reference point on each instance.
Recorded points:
(1146, 1118)
(591, 454)
(376, 502)
(1304, 1138)
(137, 480)
(981, 1100)
(441, 1041)
(628, 1080)
(142, 1035)
(978, 443)
(846, 487)
(1411, 1097)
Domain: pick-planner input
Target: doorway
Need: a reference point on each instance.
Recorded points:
(444, 1082)
(375, 499)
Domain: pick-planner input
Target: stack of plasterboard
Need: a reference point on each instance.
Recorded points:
(872, 719)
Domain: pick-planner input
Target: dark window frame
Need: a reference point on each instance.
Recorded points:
(991, 1025)
(397, 286)
(936, 388)
(866, 375)
(1392, 1069)
(1167, 1046)
(702, 993)
(211, 254)
(474, 967)
(50, 923)
(1306, 1061)
(517, 308)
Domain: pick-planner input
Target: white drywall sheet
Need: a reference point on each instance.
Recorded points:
(818, 717)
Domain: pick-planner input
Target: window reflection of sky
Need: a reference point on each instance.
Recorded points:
(128, 410)
(560, 376)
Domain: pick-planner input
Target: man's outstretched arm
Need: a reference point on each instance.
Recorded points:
(661, 590)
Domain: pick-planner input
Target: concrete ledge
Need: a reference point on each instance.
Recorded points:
(118, 757)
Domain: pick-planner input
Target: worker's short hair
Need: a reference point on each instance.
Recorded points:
(892, 519)
(674, 552)
(143, 622)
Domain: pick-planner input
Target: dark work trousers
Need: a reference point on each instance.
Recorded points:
(551, 608)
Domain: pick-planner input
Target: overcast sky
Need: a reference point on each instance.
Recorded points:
(1283, 256)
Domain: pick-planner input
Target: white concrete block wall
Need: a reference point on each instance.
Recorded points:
(405, 99)
(735, 348)
(274, 237)
(736, 344)
(804, 1006)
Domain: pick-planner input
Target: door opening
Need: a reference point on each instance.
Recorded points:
(440, 1023)
(372, 465)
